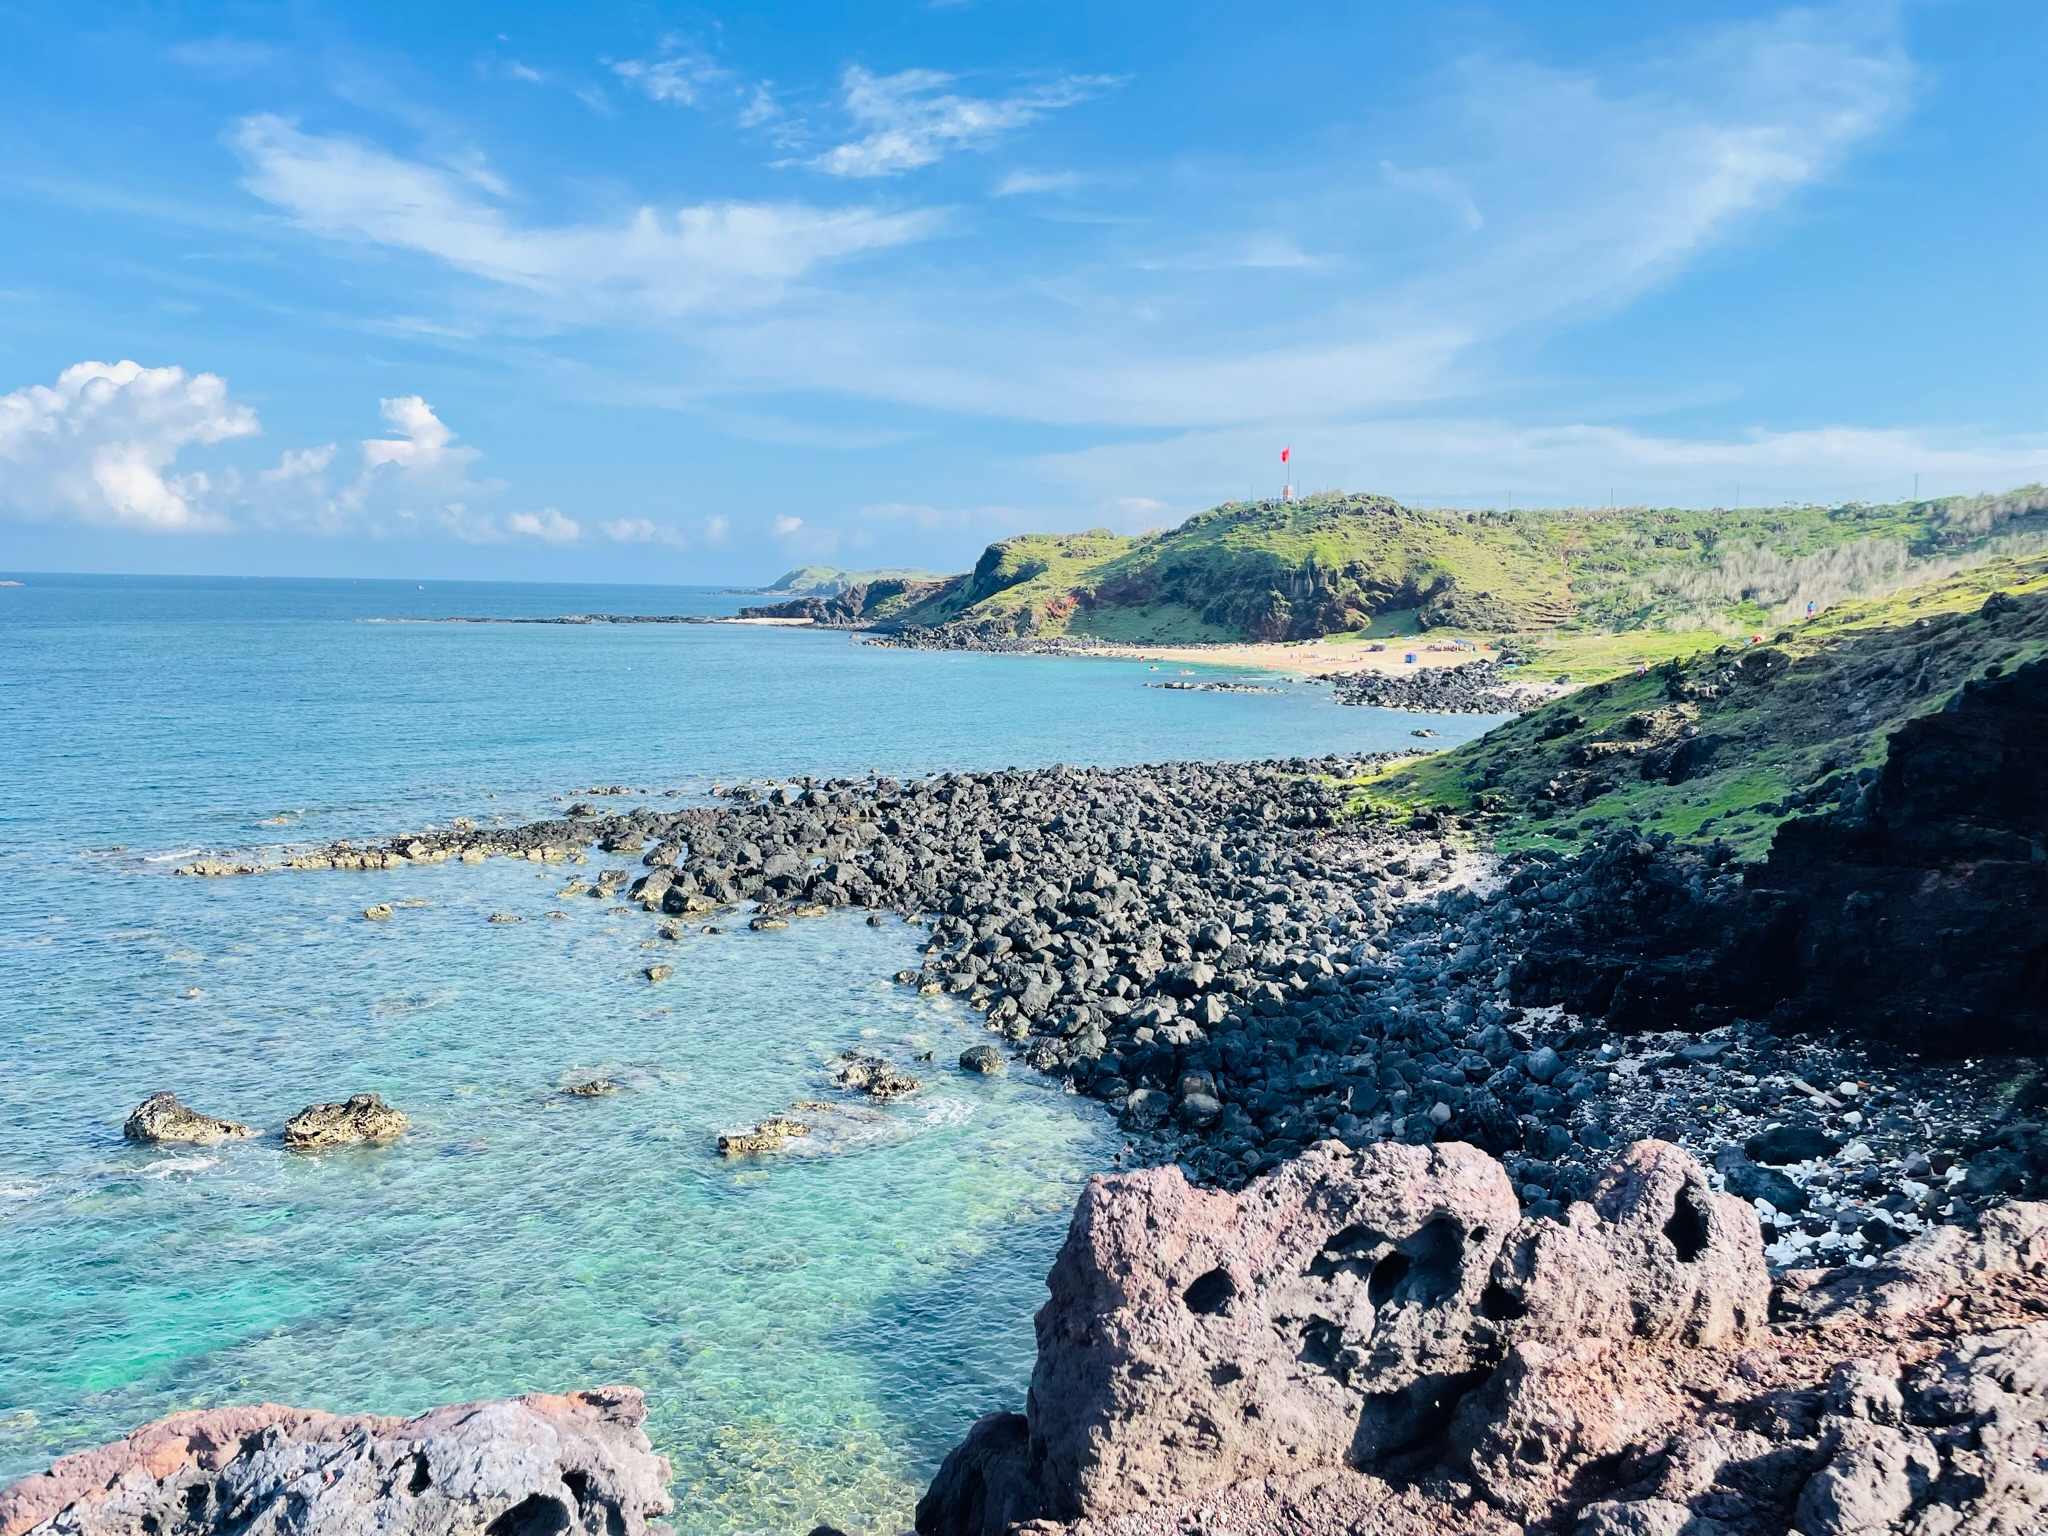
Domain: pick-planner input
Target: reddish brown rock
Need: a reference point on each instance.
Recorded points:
(1614, 1374)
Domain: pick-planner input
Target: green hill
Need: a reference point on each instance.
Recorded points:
(826, 580)
(1334, 564)
(1729, 742)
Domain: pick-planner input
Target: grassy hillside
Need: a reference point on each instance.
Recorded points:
(1728, 742)
(1344, 564)
(824, 580)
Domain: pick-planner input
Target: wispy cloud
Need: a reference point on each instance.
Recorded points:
(1438, 186)
(913, 119)
(1040, 183)
(673, 261)
(678, 77)
(1480, 461)
(225, 57)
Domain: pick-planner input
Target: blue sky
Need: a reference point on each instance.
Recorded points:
(650, 292)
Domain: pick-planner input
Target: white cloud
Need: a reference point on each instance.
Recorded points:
(1596, 185)
(99, 446)
(425, 439)
(785, 525)
(673, 261)
(645, 530)
(910, 119)
(548, 525)
(679, 78)
(1039, 183)
(716, 529)
(761, 107)
(525, 74)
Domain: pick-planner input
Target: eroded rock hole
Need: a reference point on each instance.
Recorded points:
(1347, 1250)
(534, 1515)
(1210, 1293)
(1501, 1304)
(1423, 1270)
(1687, 1227)
(419, 1481)
(1322, 1346)
(1387, 1276)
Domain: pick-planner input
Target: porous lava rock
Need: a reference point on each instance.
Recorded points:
(164, 1118)
(1377, 1341)
(578, 1464)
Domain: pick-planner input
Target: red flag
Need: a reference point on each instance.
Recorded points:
(1283, 454)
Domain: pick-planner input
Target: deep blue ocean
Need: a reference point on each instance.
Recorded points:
(813, 1331)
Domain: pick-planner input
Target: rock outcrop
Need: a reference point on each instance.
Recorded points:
(1920, 914)
(163, 1118)
(1378, 1341)
(1912, 915)
(359, 1119)
(573, 1465)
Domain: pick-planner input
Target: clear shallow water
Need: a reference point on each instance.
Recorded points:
(813, 1331)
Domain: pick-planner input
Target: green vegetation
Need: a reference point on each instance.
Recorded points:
(1728, 742)
(1565, 583)
(825, 580)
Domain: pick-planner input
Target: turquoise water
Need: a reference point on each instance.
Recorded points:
(813, 1331)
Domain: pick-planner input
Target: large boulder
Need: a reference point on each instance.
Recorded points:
(163, 1118)
(578, 1464)
(1337, 1313)
(362, 1118)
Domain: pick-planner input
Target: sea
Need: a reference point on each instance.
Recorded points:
(813, 1330)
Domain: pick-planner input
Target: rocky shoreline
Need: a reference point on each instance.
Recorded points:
(1238, 969)
(1470, 688)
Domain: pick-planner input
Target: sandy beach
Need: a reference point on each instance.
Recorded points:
(1305, 658)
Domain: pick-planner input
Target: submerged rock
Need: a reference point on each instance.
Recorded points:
(380, 913)
(578, 1464)
(163, 1118)
(985, 1059)
(592, 1088)
(361, 1118)
(873, 1076)
(772, 1134)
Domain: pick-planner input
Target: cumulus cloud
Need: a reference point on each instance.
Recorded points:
(785, 525)
(645, 530)
(911, 119)
(548, 525)
(674, 260)
(101, 444)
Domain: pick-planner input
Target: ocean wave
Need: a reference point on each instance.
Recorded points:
(171, 1167)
